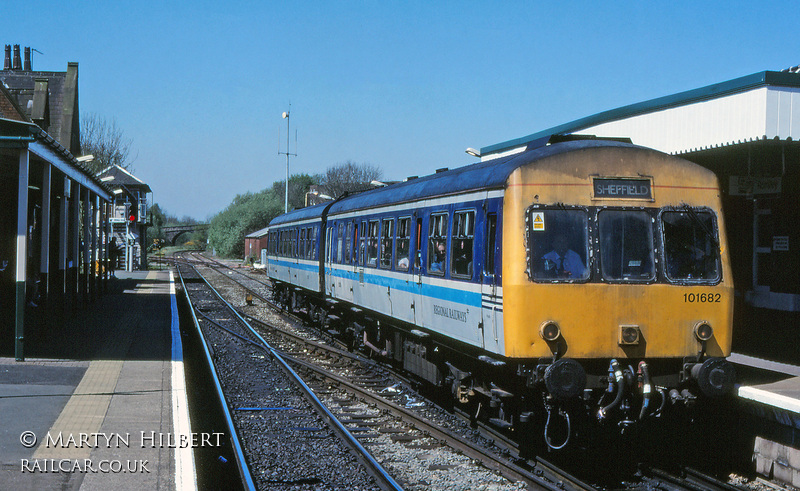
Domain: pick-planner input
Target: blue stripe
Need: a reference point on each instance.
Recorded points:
(177, 347)
(437, 292)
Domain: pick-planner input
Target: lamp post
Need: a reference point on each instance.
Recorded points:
(286, 197)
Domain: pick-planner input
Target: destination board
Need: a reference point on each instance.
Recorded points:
(614, 188)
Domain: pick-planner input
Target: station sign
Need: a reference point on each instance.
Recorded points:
(749, 185)
(621, 188)
(780, 243)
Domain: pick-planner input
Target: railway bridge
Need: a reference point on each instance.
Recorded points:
(171, 233)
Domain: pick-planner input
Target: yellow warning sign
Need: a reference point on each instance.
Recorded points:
(538, 221)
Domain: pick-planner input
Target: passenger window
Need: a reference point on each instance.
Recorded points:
(691, 245)
(361, 246)
(328, 242)
(558, 244)
(339, 239)
(418, 244)
(301, 243)
(462, 241)
(491, 243)
(313, 233)
(387, 233)
(626, 245)
(403, 243)
(348, 243)
(372, 243)
(437, 244)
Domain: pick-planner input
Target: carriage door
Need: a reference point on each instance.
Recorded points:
(491, 294)
(417, 266)
(328, 256)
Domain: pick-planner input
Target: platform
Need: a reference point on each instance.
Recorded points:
(102, 404)
(776, 449)
(783, 394)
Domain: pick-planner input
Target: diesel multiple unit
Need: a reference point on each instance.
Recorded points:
(587, 279)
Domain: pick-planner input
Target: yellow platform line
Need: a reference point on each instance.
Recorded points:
(82, 415)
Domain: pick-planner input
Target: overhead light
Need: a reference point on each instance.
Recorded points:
(473, 152)
(117, 191)
(85, 158)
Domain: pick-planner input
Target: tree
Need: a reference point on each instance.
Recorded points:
(158, 219)
(106, 141)
(246, 214)
(298, 187)
(349, 177)
(250, 212)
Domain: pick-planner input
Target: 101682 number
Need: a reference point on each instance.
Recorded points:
(702, 297)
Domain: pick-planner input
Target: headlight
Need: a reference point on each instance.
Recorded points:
(703, 331)
(628, 335)
(549, 331)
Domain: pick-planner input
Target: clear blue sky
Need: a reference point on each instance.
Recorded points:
(199, 86)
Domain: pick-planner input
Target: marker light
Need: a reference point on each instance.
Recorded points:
(703, 331)
(549, 331)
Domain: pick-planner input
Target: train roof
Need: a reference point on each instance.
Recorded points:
(491, 174)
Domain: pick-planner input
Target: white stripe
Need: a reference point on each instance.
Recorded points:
(461, 198)
(184, 457)
(477, 196)
(465, 285)
(770, 398)
(281, 226)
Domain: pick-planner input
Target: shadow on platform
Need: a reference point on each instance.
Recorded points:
(131, 321)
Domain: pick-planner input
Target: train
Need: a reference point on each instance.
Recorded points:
(582, 282)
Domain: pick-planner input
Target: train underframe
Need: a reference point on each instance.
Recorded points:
(560, 402)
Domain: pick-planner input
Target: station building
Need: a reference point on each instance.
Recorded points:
(254, 244)
(128, 218)
(746, 130)
(52, 208)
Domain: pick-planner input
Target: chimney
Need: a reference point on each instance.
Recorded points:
(7, 63)
(17, 61)
(27, 58)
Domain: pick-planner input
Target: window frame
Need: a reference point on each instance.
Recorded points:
(382, 241)
(590, 242)
(442, 226)
(397, 240)
(715, 240)
(373, 239)
(348, 243)
(465, 213)
(648, 212)
(490, 244)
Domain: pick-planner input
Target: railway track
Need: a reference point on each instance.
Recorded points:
(281, 435)
(401, 421)
(687, 480)
(362, 382)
